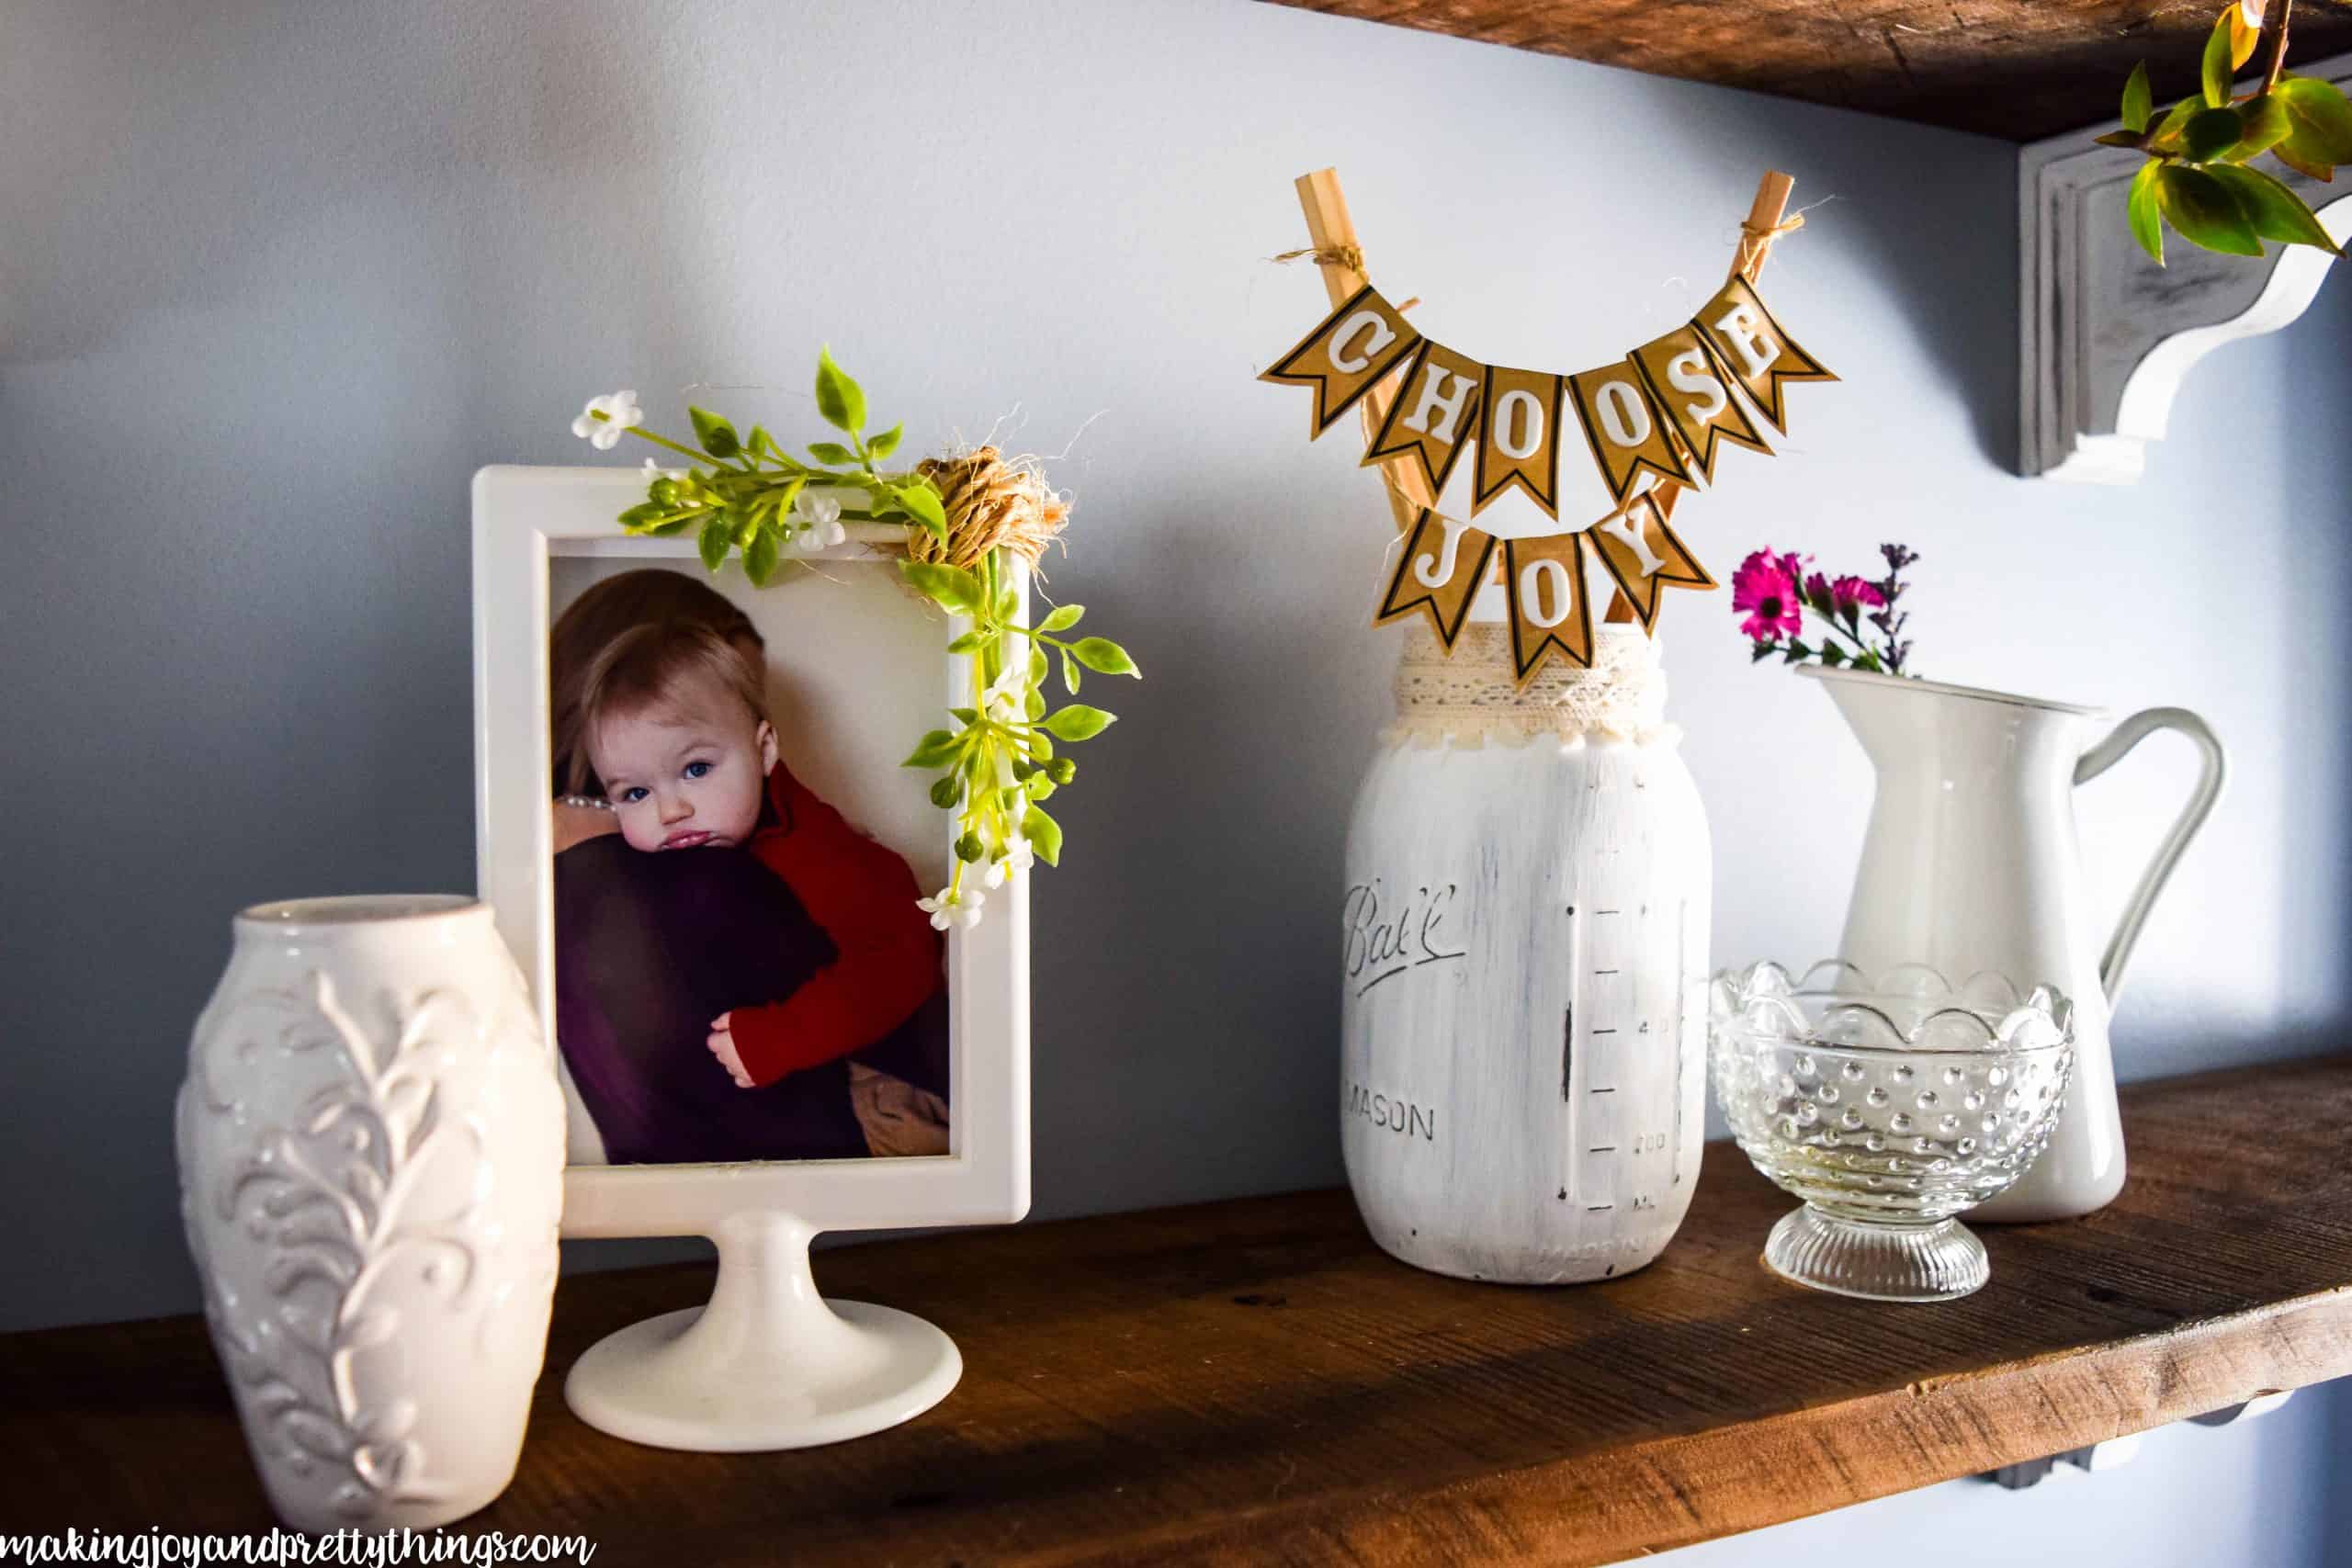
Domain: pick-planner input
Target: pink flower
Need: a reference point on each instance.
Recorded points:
(1848, 592)
(1767, 588)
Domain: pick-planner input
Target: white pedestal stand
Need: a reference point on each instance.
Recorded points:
(768, 1363)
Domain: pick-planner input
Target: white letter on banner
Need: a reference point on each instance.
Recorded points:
(1623, 526)
(1445, 562)
(1362, 321)
(1532, 580)
(1688, 372)
(1624, 417)
(1450, 408)
(1506, 415)
(1740, 325)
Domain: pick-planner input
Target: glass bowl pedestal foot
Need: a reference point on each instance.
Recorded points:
(1940, 1261)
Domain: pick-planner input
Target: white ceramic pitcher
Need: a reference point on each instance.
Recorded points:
(1971, 864)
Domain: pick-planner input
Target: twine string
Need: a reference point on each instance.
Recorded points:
(1348, 256)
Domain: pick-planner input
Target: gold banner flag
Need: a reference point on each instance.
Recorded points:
(1439, 571)
(1644, 555)
(1543, 582)
(1750, 345)
(1434, 417)
(1518, 438)
(1686, 383)
(1624, 428)
(1345, 356)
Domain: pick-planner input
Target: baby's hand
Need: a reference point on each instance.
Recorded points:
(722, 1045)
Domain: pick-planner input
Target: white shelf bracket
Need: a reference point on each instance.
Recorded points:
(2106, 336)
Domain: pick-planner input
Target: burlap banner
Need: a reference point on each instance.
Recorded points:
(1654, 422)
(1664, 411)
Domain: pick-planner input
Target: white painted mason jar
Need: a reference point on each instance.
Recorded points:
(372, 1172)
(1525, 927)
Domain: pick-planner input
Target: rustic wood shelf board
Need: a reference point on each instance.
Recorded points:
(2016, 68)
(1253, 1381)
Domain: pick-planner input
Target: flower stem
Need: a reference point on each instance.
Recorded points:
(2278, 45)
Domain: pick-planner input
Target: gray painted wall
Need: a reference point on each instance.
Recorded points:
(278, 276)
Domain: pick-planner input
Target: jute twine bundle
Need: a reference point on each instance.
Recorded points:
(992, 503)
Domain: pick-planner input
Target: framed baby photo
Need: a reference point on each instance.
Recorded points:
(697, 835)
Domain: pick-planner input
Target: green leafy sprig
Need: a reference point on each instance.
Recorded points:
(2197, 179)
(742, 493)
(998, 765)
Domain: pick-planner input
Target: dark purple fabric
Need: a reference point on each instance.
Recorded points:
(648, 949)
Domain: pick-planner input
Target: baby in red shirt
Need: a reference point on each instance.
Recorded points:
(670, 719)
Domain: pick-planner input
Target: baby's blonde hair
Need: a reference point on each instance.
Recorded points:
(656, 663)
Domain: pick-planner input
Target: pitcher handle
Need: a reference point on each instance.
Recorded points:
(2104, 755)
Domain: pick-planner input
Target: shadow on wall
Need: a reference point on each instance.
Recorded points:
(1951, 265)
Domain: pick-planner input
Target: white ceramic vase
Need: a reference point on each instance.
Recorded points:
(1525, 921)
(1969, 865)
(371, 1165)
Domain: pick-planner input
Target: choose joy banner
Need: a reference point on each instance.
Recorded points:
(1665, 411)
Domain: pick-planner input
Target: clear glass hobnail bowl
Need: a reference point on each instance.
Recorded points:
(1889, 1106)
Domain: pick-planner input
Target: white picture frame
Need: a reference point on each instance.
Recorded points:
(523, 518)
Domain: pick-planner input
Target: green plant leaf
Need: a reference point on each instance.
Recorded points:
(2204, 212)
(833, 453)
(950, 586)
(1104, 656)
(677, 525)
(970, 642)
(759, 558)
(643, 515)
(921, 503)
(2212, 132)
(2147, 223)
(936, 750)
(2121, 138)
(1069, 672)
(717, 437)
(2296, 157)
(1062, 619)
(2266, 124)
(1034, 707)
(2139, 99)
(885, 443)
(2276, 212)
(1078, 722)
(2322, 117)
(1044, 835)
(1041, 748)
(717, 538)
(2166, 138)
(759, 443)
(839, 398)
(2217, 68)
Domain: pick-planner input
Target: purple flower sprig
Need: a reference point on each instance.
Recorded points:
(1776, 590)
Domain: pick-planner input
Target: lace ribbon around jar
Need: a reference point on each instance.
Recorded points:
(1470, 699)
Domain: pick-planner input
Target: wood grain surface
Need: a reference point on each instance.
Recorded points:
(2016, 68)
(1253, 1382)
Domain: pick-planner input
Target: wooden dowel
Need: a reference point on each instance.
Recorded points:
(1332, 232)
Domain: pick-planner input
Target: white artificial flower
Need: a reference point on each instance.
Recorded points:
(1018, 855)
(1007, 698)
(820, 517)
(601, 423)
(949, 907)
(1017, 858)
(654, 470)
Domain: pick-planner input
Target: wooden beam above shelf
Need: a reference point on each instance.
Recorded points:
(1253, 1382)
(2016, 68)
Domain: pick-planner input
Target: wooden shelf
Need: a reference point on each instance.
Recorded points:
(1253, 1381)
(2016, 68)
